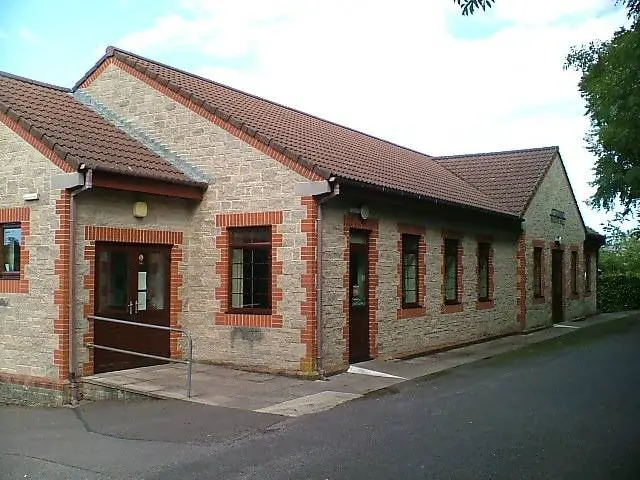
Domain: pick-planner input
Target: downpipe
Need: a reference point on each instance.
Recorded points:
(73, 375)
(335, 191)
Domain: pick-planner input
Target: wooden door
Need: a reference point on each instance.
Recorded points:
(132, 283)
(557, 279)
(358, 296)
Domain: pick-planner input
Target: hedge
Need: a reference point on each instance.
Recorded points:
(618, 292)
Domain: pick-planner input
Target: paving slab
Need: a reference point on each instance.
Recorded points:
(267, 393)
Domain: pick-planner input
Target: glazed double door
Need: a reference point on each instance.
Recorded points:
(132, 283)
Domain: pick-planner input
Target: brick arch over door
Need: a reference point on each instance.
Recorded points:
(131, 235)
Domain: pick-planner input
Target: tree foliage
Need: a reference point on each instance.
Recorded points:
(469, 7)
(619, 280)
(610, 86)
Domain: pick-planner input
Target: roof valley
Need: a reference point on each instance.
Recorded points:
(140, 136)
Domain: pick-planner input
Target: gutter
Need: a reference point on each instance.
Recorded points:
(73, 375)
(335, 191)
(433, 200)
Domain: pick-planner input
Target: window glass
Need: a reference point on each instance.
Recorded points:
(451, 270)
(587, 272)
(537, 271)
(484, 250)
(250, 268)
(11, 241)
(574, 272)
(410, 245)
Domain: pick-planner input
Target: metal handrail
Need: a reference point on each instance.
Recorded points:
(188, 362)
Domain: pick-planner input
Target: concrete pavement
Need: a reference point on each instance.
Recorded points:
(274, 394)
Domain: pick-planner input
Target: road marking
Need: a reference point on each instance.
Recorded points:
(373, 373)
(559, 325)
(318, 402)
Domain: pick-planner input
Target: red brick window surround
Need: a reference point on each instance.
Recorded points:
(14, 232)
(485, 274)
(538, 271)
(250, 270)
(411, 271)
(573, 273)
(235, 224)
(452, 270)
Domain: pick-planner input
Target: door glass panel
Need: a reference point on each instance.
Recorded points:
(358, 278)
(113, 280)
(155, 281)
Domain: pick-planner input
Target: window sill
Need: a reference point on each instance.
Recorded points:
(13, 285)
(411, 312)
(485, 304)
(449, 307)
(233, 319)
(538, 300)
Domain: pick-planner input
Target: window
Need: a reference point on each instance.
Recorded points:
(574, 272)
(11, 241)
(410, 270)
(484, 258)
(250, 270)
(587, 272)
(537, 272)
(451, 271)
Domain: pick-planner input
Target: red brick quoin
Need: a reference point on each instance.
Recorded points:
(131, 235)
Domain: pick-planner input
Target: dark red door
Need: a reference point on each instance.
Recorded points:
(358, 296)
(557, 279)
(132, 283)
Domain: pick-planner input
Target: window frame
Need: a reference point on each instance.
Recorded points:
(587, 272)
(268, 246)
(405, 243)
(456, 242)
(538, 260)
(486, 248)
(574, 272)
(14, 275)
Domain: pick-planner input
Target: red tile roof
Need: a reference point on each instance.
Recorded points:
(78, 134)
(320, 145)
(511, 177)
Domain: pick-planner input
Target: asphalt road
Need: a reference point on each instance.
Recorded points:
(565, 409)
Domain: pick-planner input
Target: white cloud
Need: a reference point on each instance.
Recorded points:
(395, 71)
(28, 36)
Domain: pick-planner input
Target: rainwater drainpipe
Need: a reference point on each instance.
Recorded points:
(73, 377)
(335, 191)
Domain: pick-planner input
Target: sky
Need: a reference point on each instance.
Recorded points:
(416, 73)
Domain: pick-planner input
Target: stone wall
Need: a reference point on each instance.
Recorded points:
(243, 180)
(28, 309)
(402, 333)
(555, 193)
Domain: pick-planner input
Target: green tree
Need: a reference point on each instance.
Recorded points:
(610, 86)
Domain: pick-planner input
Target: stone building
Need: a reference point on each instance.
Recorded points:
(282, 242)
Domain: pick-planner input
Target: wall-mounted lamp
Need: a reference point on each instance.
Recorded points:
(140, 209)
(558, 241)
(363, 211)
